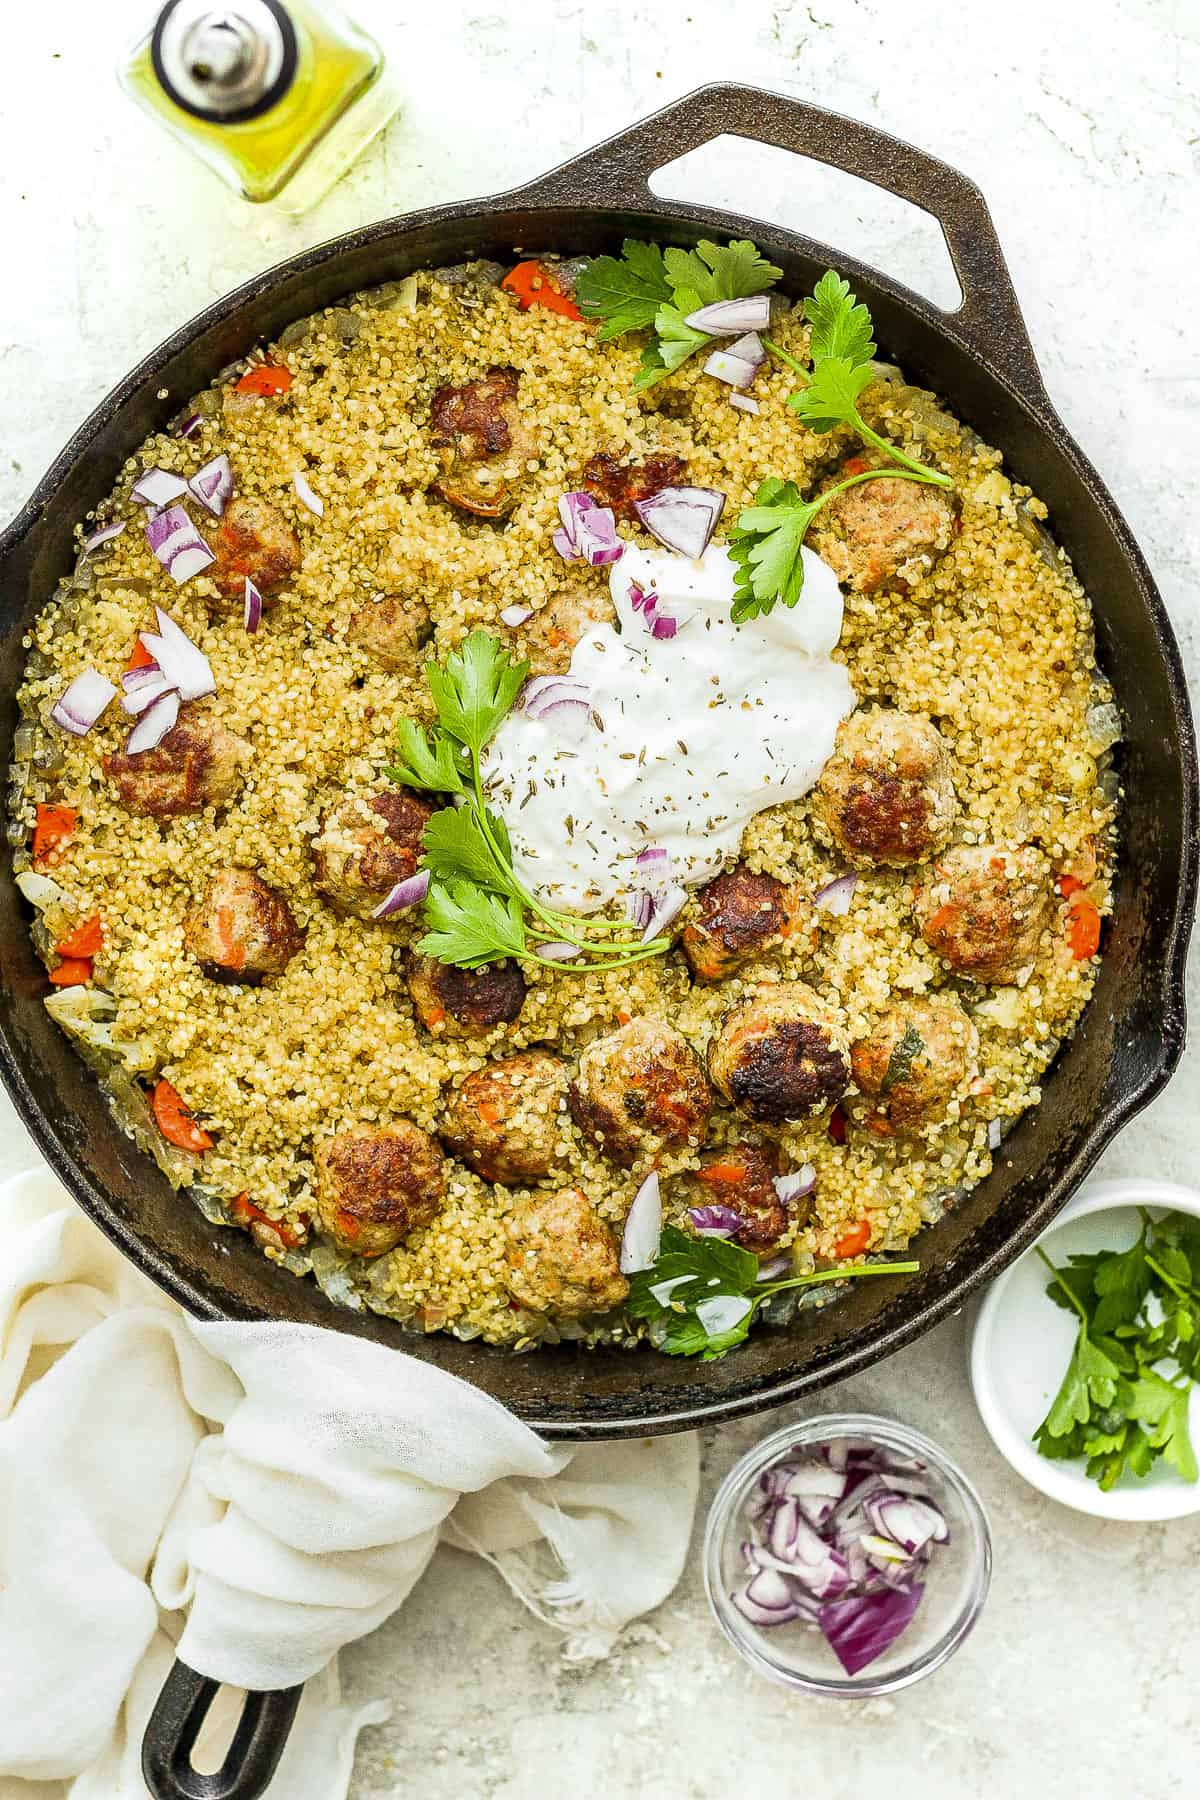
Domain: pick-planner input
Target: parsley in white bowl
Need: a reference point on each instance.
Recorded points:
(1084, 1354)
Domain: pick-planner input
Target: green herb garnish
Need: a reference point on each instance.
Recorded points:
(476, 909)
(701, 1293)
(905, 1052)
(650, 288)
(1123, 1401)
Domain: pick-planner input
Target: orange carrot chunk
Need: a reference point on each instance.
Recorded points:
(1083, 927)
(73, 971)
(53, 827)
(533, 285)
(854, 1241)
(176, 1122)
(84, 940)
(265, 379)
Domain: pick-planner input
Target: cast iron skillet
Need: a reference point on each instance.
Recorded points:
(981, 360)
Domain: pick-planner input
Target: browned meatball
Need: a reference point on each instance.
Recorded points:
(374, 1187)
(983, 909)
(198, 764)
(886, 794)
(463, 1002)
(884, 531)
(391, 629)
(780, 1054)
(915, 1058)
(365, 847)
(639, 1090)
(484, 444)
(742, 1178)
(505, 1120)
(253, 539)
(739, 916)
(242, 929)
(562, 1258)
(620, 485)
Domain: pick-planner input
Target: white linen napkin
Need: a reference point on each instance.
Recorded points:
(286, 1485)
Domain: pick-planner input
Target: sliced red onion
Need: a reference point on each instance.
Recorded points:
(177, 544)
(643, 1228)
(728, 318)
(191, 425)
(409, 892)
(183, 663)
(103, 536)
(722, 1313)
(733, 370)
(213, 485)
(666, 906)
(912, 1523)
(767, 1599)
(744, 402)
(547, 690)
(835, 896)
(154, 724)
(306, 493)
(682, 518)
(136, 678)
(663, 626)
(253, 610)
(80, 705)
(860, 1628)
(715, 1221)
(995, 1135)
(654, 861)
(588, 532)
(795, 1184)
(564, 544)
(158, 487)
(772, 1270)
(558, 950)
(512, 616)
(139, 695)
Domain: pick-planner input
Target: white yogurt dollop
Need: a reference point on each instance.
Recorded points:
(689, 737)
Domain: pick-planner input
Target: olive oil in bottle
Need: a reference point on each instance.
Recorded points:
(278, 96)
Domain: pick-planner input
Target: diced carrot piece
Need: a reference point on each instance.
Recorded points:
(855, 465)
(722, 1173)
(1068, 885)
(854, 1241)
(247, 1214)
(1083, 927)
(53, 827)
(176, 1122)
(489, 1112)
(139, 657)
(84, 940)
(623, 1017)
(73, 971)
(532, 284)
(265, 379)
(432, 1017)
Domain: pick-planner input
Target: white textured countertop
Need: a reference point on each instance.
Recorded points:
(1080, 121)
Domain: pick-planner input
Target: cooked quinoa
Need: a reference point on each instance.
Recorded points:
(991, 641)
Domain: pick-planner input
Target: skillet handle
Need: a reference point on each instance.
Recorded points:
(616, 174)
(174, 1725)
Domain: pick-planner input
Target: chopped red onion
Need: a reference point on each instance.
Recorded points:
(80, 705)
(213, 485)
(860, 1628)
(835, 896)
(564, 544)
(663, 626)
(796, 1183)
(308, 497)
(191, 425)
(743, 402)
(995, 1135)
(666, 905)
(588, 532)
(102, 536)
(640, 597)
(772, 1270)
(253, 610)
(728, 318)
(558, 950)
(654, 861)
(139, 695)
(154, 724)
(643, 1228)
(682, 518)
(512, 616)
(550, 693)
(158, 487)
(409, 892)
(733, 370)
(715, 1221)
(177, 544)
(183, 663)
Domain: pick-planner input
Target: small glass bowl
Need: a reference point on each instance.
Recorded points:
(797, 1654)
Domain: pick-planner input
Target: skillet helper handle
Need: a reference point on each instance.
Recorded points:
(617, 173)
(174, 1725)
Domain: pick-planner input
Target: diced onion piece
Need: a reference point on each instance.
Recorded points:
(558, 950)
(512, 616)
(253, 609)
(860, 1628)
(39, 890)
(796, 1183)
(743, 402)
(158, 487)
(136, 699)
(722, 1312)
(733, 370)
(308, 497)
(177, 544)
(81, 704)
(409, 892)
(715, 1221)
(191, 425)
(643, 1228)
(667, 905)
(588, 532)
(213, 485)
(729, 318)
(546, 691)
(183, 663)
(682, 518)
(104, 535)
(154, 724)
(995, 1135)
(835, 896)
(654, 861)
(564, 544)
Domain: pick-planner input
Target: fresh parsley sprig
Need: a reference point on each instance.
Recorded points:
(1124, 1399)
(701, 1293)
(476, 908)
(648, 288)
(767, 541)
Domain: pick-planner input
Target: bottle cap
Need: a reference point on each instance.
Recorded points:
(224, 63)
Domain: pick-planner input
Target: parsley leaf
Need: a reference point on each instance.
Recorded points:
(712, 273)
(457, 848)
(831, 397)
(434, 764)
(676, 340)
(470, 926)
(841, 325)
(1122, 1282)
(476, 689)
(624, 292)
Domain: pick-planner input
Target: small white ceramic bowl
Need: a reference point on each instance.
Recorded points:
(1021, 1344)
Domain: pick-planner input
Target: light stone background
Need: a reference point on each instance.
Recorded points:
(1081, 122)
